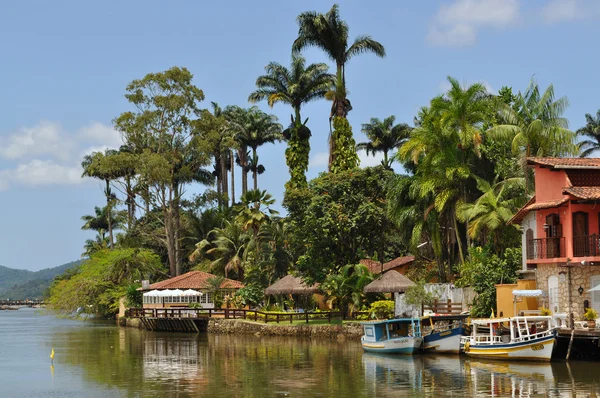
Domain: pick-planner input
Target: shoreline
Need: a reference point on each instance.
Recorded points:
(345, 331)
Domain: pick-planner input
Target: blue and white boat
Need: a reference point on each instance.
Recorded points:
(393, 336)
(442, 333)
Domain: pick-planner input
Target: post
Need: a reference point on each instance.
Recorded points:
(277, 318)
(571, 323)
(306, 314)
(291, 316)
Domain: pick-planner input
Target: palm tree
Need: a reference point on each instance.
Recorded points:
(591, 131)
(258, 128)
(329, 33)
(492, 210)
(384, 137)
(536, 127)
(227, 247)
(254, 211)
(295, 86)
(94, 165)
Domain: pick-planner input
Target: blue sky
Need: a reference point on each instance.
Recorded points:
(65, 65)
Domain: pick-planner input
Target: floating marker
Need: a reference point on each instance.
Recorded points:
(52, 354)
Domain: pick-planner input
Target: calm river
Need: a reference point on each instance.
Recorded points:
(100, 360)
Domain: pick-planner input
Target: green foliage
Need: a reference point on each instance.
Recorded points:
(590, 314)
(339, 219)
(384, 137)
(297, 158)
(417, 295)
(383, 309)
(345, 290)
(251, 295)
(133, 296)
(344, 155)
(102, 280)
(483, 271)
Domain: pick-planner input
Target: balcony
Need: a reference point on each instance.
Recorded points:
(586, 245)
(545, 248)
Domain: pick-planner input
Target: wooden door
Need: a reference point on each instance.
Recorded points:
(581, 246)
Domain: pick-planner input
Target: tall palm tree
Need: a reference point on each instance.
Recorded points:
(592, 132)
(94, 165)
(384, 137)
(257, 128)
(330, 33)
(536, 127)
(295, 86)
(254, 211)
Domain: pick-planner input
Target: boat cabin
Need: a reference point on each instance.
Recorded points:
(391, 329)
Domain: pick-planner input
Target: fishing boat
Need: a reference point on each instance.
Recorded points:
(442, 333)
(393, 336)
(521, 337)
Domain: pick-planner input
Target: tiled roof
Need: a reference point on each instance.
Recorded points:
(585, 193)
(373, 266)
(398, 262)
(518, 217)
(193, 280)
(547, 205)
(566, 163)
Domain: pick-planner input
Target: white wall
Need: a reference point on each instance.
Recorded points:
(528, 222)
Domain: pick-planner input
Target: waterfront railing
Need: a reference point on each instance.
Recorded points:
(254, 315)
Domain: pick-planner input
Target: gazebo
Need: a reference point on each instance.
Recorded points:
(390, 282)
(291, 285)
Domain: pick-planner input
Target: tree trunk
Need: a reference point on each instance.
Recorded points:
(168, 217)
(232, 180)
(219, 181)
(108, 215)
(255, 170)
(244, 164)
(224, 182)
(177, 230)
(458, 240)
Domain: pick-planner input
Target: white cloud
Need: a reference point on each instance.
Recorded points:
(47, 154)
(456, 24)
(319, 159)
(369, 160)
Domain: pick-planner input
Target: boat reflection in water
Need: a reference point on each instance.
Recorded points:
(441, 375)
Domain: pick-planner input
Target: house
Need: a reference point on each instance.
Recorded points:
(561, 236)
(399, 264)
(179, 291)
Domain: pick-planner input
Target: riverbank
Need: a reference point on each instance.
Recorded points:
(344, 331)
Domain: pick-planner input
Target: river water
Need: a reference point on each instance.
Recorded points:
(95, 359)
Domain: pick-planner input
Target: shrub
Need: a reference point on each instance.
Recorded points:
(133, 297)
(383, 309)
(590, 314)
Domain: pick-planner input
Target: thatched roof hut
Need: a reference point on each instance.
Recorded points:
(290, 284)
(389, 282)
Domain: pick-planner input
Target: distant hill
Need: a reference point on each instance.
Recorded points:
(20, 284)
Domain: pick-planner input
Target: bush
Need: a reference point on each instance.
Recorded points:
(134, 297)
(251, 295)
(383, 309)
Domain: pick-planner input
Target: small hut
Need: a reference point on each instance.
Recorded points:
(294, 286)
(390, 282)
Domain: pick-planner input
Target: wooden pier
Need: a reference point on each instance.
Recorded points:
(581, 344)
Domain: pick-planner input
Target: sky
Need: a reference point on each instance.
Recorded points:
(65, 65)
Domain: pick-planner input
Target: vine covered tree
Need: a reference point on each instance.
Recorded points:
(295, 86)
(330, 33)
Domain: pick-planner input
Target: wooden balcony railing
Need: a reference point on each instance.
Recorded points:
(545, 248)
(586, 245)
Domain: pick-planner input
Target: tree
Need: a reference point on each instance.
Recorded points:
(295, 86)
(384, 137)
(330, 33)
(345, 290)
(591, 130)
(164, 127)
(93, 166)
(535, 125)
(99, 223)
(254, 211)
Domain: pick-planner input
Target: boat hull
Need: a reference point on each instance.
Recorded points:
(447, 342)
(401, 345)
(533, 350)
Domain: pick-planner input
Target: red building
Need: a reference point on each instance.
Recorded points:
(561, 246)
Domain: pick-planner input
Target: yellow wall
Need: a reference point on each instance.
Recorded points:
(504, 298)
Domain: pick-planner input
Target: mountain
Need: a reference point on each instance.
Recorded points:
(20, 284)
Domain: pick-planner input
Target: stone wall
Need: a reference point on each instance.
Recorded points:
(580, 276)
(352, 331)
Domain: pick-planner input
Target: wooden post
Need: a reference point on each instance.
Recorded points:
(570, 344)
(291, 315)
(329, 317)
(306, 313)
(277, 318)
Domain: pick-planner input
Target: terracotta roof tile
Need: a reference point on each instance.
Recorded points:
(566, 163)
(585, 193)
(193, 280)
(547, 205)
(398, 262)
(373, 266)
(518, 217)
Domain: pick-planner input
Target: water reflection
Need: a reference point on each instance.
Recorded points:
(103, 360)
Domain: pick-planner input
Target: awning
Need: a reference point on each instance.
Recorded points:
(528, 293)
(595, 289)
(152, 293)
(176, 292)
(191, 292)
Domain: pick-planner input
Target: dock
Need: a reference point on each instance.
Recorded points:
(584, 344)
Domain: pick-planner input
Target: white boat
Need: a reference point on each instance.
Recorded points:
(442, 333)
(522, 337)
(393, 336)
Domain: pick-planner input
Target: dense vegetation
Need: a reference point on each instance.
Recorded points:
(464, 177)
(19, 284)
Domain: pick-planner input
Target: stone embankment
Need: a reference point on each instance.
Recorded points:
(351, 331)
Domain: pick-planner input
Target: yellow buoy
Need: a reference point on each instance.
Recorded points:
(52, 354)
